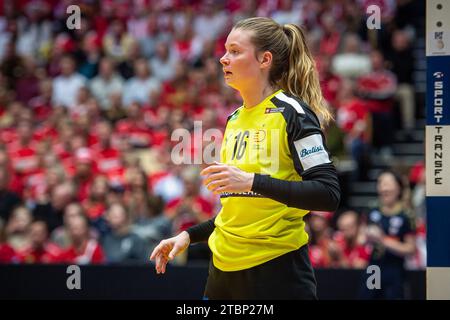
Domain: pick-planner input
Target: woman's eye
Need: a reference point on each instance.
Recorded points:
(234, 51)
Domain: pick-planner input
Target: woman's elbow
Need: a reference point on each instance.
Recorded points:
(334, 199)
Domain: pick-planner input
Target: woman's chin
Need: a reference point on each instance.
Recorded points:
(230, 83)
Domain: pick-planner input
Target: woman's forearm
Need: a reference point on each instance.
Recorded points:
(319, 189)
(201, 232)
(402, 249)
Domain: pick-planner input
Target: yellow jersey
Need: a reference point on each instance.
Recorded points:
(280, 137)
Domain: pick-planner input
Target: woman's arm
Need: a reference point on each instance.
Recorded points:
(319, 189)
(201, 231)
(402, 249)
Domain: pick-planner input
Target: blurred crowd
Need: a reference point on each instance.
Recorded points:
(86, 117)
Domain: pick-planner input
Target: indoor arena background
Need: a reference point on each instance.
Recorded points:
(87, 112)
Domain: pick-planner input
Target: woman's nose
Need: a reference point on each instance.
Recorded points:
(224, 60)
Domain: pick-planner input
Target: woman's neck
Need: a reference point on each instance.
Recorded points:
(122, 231)
(393, 208)
(254, 97)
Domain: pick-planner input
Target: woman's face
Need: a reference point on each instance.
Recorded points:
(388, 189)
(239, 63)
(317, 223)
(38, 234)
(78, 228)
(116, 217)
(100, 187)
(22, 218)
(72, 212)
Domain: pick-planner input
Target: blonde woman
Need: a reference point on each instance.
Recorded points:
(274, 169)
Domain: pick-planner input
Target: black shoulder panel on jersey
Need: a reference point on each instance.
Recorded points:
(301, 122)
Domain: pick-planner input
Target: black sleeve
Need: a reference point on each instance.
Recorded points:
(319, 189)
(201, 231)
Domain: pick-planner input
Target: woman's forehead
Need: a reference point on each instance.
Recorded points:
(239, 37)
(387, 177)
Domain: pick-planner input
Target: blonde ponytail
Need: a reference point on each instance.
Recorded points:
(301, 78)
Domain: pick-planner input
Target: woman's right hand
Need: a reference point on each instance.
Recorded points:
(168, 249)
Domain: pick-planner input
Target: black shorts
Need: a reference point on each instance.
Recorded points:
(287, 277)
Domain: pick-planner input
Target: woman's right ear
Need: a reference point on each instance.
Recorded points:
(266, 59)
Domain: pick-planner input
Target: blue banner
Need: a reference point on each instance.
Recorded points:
(438, 232)
(438, 90)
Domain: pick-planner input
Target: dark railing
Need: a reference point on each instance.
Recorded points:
(141, 282)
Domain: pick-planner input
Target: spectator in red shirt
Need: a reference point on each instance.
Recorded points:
(22, 152)
(134, 128)
(63, 146)
(417, 177)
(320, 238)
(348, 247)
(95, 203)
(60, 235)
(187, 46)
(7, 253)
(54, 176)
(12, 182)
(84, 249)
(416, 173)
(331, 38)
(17, 227)
(378, 89)
(84, 172)
(108, 157)
(8, 198)
(355, 120)
(329, 82)
(174, 92)
(41, 104)
(40, 249)
(85, 122)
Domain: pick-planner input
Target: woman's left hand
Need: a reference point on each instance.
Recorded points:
(224, 178)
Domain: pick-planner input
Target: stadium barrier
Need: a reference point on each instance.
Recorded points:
(138, 282)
